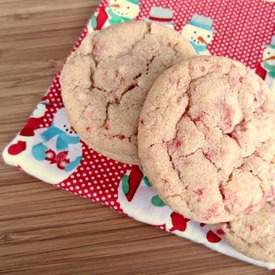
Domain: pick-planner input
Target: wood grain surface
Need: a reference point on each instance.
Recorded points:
(48, 231)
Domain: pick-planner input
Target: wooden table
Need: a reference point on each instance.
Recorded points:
(48, 231)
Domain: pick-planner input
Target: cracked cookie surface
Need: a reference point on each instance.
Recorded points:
(206, 139)
(253, 235)
(104, 83)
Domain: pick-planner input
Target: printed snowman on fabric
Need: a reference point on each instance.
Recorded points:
(59, 149)
(117, 11)
(199, 32)
(269, 63)
(161, 16)
(266, 68)
(50, 154)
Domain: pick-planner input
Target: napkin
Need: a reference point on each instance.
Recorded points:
(242, 30)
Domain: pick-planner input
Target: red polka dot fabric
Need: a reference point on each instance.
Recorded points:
(241, 30)
(96, 179)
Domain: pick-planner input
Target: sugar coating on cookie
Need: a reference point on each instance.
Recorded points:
(105, 81)
(253, 234)
(206, 139)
